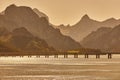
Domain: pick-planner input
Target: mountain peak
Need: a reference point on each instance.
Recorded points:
(12, 6)
(110, 20)
(15, 10)
(25, 17)
(85, 17)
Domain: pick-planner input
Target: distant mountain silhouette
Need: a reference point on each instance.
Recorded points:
(64, 29)
(103, 38)
(85, 26)
(16, 17)
(23, 40)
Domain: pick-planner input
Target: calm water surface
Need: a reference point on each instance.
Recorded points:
(60, 68)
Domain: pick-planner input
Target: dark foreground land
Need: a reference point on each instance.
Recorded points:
(59, 69)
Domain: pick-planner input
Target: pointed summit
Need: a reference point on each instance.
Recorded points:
(85, 17)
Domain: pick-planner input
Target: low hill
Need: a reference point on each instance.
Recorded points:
(103, 38)
(23, 40)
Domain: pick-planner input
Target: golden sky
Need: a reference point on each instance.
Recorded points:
(70, 11)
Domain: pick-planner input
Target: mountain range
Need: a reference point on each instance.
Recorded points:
(22, 19)
(85, 26)
(26, 29)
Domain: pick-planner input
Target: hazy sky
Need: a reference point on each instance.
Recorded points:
(70, 11)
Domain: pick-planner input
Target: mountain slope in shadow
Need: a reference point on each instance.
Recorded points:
(16, 17)
(103, 38)
(23, 40)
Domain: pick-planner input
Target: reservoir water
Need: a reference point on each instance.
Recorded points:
(16, 68)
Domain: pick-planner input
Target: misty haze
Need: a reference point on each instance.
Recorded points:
(59, 40)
